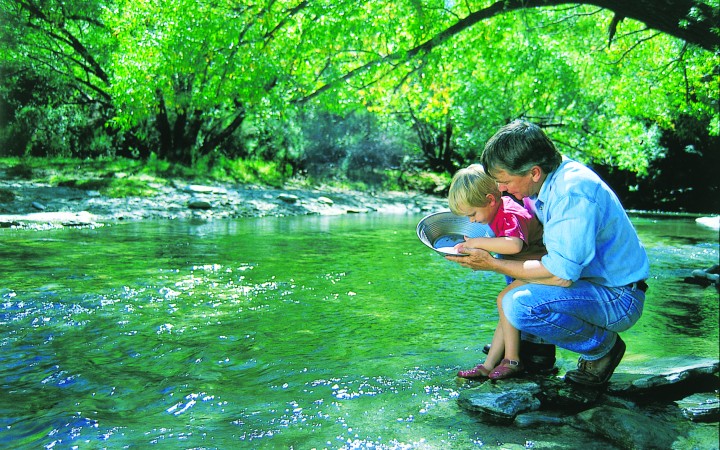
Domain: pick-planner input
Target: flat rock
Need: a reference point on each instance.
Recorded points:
(701, 407)
(652, 408)
(200, 189)
(288, 198)
(626, 428)
(501, 402)
(665, 374)
(81, 218)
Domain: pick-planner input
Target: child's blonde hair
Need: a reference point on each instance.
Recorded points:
(470, 187)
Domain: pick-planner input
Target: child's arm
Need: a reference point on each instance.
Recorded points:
(503, 245)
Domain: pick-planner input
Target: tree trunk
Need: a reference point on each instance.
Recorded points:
(162, 123)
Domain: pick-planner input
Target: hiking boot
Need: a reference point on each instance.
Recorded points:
(597, 373)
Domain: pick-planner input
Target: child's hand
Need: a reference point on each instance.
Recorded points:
(460, 247)
(469, 242)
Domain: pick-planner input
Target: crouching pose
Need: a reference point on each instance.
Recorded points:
(590, 285)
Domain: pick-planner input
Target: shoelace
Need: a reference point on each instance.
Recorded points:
(585, 365)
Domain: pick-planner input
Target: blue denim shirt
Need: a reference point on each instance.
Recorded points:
(587, 233)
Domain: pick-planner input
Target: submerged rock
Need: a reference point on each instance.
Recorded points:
(705, 277)
(7, 196)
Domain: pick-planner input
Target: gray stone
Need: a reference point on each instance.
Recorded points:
(39, 206)
(501, 402)
(82, 218)
(325, 201)
(658, 377)
(200, 189)
(636, 411)
(196, 203)
(701, 407)
(288, 198)
(627, 429)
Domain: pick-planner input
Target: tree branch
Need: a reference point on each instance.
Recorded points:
(663, 16)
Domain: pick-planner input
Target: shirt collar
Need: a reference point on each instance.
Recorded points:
(546, 187)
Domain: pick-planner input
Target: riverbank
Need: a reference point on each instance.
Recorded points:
(31, 204)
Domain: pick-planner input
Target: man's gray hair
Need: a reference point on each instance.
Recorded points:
(518, 147)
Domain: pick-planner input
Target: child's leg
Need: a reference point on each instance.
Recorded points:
(510, 334)
(497, 348)
(506, 339)
(511, 364)
(511, 338)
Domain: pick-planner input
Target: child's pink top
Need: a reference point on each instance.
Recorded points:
(513, 220)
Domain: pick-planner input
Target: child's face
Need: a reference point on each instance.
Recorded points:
(479, 214)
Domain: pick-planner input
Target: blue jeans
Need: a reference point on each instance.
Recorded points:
(584, 318)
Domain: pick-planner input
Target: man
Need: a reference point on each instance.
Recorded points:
(591, 284)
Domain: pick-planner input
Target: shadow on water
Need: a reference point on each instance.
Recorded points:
(308, 332)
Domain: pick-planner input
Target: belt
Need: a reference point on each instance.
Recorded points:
(641, 285)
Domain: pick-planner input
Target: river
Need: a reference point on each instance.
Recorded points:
(299, 332)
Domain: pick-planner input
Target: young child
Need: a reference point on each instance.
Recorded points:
(518, 235)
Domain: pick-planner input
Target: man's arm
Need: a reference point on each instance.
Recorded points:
(531, 271)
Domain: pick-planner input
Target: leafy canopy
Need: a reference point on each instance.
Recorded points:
(197, 67)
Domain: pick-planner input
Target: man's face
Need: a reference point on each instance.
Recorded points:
(519, 185)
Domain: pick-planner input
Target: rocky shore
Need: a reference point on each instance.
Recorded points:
(670, 404)
(25, 204)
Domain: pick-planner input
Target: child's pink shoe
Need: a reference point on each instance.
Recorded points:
(478, 371)
(507, 368)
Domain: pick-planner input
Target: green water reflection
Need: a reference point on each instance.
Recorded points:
(314, 332)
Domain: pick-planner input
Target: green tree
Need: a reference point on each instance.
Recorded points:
(180, 78)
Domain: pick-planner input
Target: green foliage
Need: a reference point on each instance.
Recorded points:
(248, 171)
(335, 89)
(427, 182)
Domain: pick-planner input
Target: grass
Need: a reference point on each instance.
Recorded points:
(123, 177)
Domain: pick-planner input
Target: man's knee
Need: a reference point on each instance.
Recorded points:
(516, 312)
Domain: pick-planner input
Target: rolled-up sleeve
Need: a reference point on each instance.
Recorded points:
(587, 233)
(570, 236)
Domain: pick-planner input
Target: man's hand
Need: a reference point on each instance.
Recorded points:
(476, 259)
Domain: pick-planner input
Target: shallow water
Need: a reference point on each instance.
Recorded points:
(303, 332)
